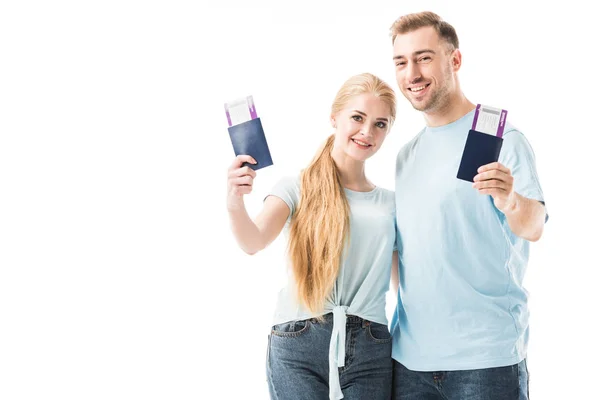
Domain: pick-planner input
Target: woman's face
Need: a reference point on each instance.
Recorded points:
(361, 127)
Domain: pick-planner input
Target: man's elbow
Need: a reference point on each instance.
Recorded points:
(537, 234)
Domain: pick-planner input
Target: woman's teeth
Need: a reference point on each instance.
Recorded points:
(361, 143)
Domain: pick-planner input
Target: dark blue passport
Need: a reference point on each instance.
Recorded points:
(480, 149)
(248, 138)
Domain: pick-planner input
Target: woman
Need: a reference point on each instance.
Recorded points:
(330, 338)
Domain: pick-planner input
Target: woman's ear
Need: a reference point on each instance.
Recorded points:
(333, 123)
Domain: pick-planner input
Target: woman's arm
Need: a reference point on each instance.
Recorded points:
(395, 279)
(252, 236)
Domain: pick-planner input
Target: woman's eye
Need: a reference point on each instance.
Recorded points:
(357, 118)
(380, 125)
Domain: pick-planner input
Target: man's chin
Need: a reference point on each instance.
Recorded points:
(423, 106)
(419, 106)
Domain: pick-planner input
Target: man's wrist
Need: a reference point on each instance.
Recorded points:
(512, 205)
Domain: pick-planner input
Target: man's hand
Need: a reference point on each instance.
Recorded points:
(496, 180)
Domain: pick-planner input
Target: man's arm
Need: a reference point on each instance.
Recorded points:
(526, 217)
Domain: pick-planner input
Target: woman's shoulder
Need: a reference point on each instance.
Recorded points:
(387, 194)
(291, 182)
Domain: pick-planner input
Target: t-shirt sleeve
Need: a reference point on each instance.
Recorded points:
(390, 203)
(517, 154)
(288, 190)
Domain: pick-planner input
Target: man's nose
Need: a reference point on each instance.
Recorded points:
(413, 74)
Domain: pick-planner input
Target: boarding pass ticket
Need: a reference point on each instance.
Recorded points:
(489, 120)
(240, 110)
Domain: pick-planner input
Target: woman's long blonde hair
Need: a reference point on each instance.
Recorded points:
(320, 228)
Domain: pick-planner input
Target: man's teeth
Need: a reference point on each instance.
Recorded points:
(361, 143)
(417, 89)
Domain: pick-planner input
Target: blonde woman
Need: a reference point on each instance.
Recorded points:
(330, 339)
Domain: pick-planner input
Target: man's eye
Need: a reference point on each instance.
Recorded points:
(427, 59)
(398, 64)
(357, 118)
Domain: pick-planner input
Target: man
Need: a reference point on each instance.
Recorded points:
(460, 329)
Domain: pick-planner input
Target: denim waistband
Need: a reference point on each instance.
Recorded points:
(350, 319)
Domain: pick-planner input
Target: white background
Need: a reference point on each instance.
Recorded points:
(119, 277)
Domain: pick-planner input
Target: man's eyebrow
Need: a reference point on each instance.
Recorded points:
(363, 114)
(416, 53)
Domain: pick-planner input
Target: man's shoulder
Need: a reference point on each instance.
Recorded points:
(516, 147)
(511, 129)
(513, 136)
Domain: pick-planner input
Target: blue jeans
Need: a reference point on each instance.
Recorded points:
(502, 383)
(298, 363)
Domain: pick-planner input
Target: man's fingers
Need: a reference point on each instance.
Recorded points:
(490, 184)
(493, 174)
(494, 192)
(493, 166)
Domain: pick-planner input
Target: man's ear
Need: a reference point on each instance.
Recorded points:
(456, 60)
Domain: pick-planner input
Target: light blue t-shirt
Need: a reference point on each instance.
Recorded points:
(364, 274)
(461, 301)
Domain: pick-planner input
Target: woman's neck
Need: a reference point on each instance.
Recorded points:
(352, 172)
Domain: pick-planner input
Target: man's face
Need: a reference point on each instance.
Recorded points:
(424, 68)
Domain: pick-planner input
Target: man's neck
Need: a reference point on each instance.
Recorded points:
(455, 108)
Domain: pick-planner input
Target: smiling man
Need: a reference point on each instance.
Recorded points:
(460, 329)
